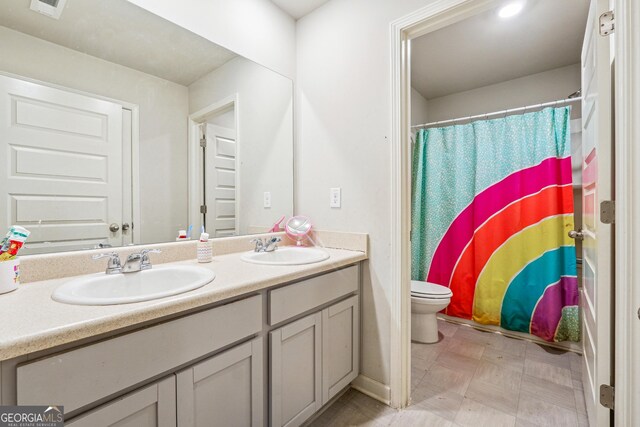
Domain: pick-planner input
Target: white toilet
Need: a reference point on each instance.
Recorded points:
(426, 300)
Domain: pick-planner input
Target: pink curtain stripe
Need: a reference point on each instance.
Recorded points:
(551, 171)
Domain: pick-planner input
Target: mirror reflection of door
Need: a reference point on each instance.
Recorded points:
(221, 174)
(64, 173)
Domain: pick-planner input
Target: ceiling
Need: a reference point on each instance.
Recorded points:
(485, 49)
(298, 8)
(121, 32)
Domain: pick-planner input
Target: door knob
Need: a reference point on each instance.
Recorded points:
(576, 234)
(114, 227)
(125, 226)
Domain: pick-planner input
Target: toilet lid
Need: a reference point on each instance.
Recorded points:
(429, 290)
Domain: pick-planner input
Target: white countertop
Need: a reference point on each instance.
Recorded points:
(31, 321)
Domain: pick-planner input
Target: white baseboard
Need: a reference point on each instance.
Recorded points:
(372, 388)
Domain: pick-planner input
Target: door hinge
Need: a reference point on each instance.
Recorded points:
(607, 396)
(607, 211)
(203, 142)
(203, 209)
(607, 23)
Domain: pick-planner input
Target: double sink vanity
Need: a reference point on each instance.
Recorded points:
(250, 339)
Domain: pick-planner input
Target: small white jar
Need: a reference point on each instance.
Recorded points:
(205, 251)
(9, 275)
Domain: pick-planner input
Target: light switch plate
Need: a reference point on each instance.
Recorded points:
(335, 197)
(267, 199)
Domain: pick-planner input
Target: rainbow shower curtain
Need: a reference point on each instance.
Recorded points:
(492, 204)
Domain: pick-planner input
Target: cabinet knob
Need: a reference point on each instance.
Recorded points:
(114, 227)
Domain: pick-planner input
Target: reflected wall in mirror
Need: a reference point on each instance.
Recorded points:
(120, 127)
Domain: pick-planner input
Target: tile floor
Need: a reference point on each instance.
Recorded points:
(475, 378)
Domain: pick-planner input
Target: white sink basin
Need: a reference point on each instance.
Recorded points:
(286, 255)
(108, 289)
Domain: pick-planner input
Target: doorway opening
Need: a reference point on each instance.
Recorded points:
(456, 108)
(214, 172)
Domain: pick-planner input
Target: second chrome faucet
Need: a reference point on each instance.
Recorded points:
(269, 244)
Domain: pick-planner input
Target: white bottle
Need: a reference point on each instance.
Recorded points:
(204, 249)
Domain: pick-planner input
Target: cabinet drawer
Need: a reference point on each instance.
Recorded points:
(291, 300)
(153, 406)
(79, 377)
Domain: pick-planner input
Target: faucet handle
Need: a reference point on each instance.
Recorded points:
(113, 265)
(150, 251)
(145, 263)
(100, 256)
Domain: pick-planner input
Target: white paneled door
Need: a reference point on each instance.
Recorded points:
(597, 187)
(221, 181)
(62, 172)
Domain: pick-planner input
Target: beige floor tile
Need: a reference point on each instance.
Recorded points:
(576, 362)
(416, 376)
(448, 329)
(541, 413)
(548, 372)
(465, 348)
(419, 417)
(371, 407)
(508, 345)
(503, 358)
(524, 423)
(349, 415)
(444, 404)
(548, 391)
(577, 384)
(428, 351)
(494, 396)
(581, 406)
(467, 333)
(576, 376)
(457, 362)
(583, 421)
(474, 414)
(447, 379)
(423, 364)
(548, 355)
(503, 376)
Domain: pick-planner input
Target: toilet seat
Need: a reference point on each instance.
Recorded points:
(428, 290)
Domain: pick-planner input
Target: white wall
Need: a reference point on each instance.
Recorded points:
(163, 125)
(533, 89)
(265, 135)
(255, 29)
(343, 118)
(419, 108)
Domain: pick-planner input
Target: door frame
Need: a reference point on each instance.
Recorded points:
(134, 190)
(627, 230)
(437, 15)
(195, 171)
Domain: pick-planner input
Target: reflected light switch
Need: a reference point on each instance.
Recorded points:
(267, 199)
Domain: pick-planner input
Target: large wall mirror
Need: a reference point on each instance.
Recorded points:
(118, 127)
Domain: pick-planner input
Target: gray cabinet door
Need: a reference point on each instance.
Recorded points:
(152, 406)
(340, 346)
(225, 390)
(296, 371)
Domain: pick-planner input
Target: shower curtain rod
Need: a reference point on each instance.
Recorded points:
(498, 113)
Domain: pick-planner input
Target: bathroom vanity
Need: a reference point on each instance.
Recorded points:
(260, 345)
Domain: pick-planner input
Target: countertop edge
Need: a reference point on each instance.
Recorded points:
(76, 332)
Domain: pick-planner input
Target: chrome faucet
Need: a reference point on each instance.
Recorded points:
(269, 244)
(113, 265)
(139, 261)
